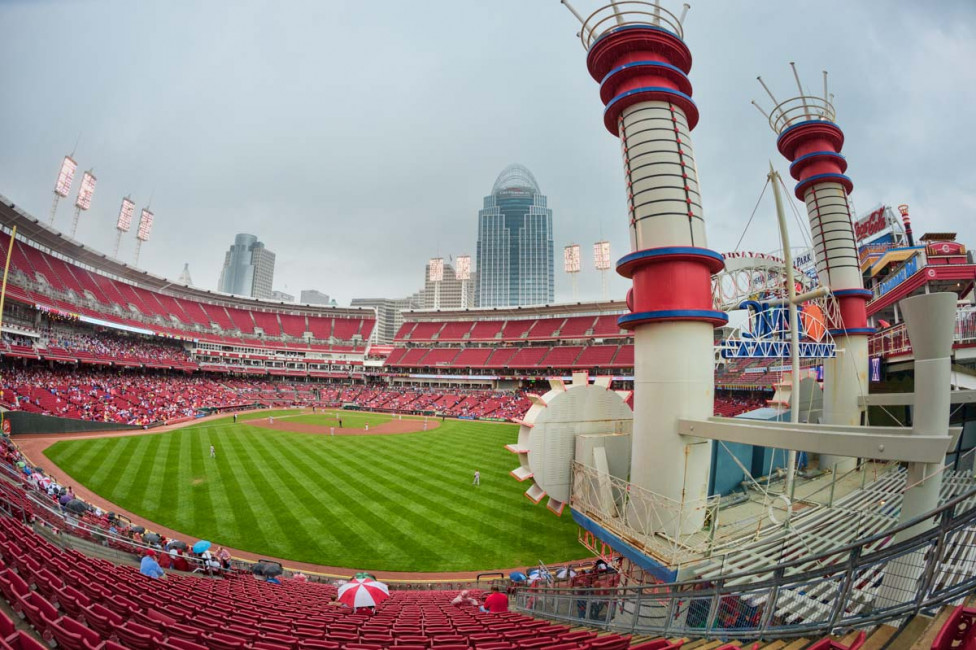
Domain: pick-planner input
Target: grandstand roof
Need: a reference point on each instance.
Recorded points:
(533, 311)
(31, 229)
(515, 177)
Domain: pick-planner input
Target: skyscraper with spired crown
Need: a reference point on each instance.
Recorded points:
(514, 257)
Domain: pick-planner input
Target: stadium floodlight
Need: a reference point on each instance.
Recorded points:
(86, 191)
(65, 177)
(435, 271)
(63, 187)
(462, 267)
(601, 255)
(571, 258)
(125, 215)
(124, 222)
(83, 202)
(145, 227)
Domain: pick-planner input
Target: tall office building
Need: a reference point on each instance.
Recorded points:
(389, 314)
(314, 297)
(515, 258)
(248, 268)
(449, 293)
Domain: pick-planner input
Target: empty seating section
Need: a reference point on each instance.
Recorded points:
(425, 331)
(293, 325)
(268, 322)
(577, 327)
(321, 328)
(455, 331)
(624, 357)
(483, 330)
(194, 312)
(606, 326)
(413, 356)
(515, 330)
(241, 319)
(500, 357)
(597, 356)
(472, 358)
(562, 356)
(440, 356)
(345, 328)
(545, 328)
(404, 331)
(136, 303)
(527, 357)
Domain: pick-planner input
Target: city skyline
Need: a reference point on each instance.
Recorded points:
(227, 135)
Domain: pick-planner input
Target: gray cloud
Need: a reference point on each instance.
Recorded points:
(358, 140)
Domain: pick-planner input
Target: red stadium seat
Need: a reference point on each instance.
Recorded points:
(72, 635)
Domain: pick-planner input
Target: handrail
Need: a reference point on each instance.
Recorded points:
(786, 599)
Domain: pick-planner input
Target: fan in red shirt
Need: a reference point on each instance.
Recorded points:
(495, 602)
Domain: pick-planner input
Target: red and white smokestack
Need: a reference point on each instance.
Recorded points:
(812, 142)
(636, 53)
(903, 209)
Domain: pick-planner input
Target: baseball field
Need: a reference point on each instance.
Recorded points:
(397, 498)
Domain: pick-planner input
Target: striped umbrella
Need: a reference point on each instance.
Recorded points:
(363, 592)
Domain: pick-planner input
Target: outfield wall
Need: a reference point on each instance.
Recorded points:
(22, 423)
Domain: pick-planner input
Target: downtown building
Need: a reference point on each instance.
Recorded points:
(248, 268)
(515, 247)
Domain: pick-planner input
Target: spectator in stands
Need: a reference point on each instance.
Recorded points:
(463, 598)
(166, 560)
(149, 566)
(180, 563)
(300, 577)
(223, 555)
(496, 601)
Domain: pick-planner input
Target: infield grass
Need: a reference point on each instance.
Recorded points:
(384, 502)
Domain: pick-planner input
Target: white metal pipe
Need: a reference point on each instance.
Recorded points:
(803, 96)
(784, 234)
(684, 14)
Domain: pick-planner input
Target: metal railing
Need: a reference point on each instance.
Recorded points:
(628, 13)
(894, 339)
(850, 588)
(805, 108)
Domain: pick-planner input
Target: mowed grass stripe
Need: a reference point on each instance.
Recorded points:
(419, 533)
(295, 521)
(401, 502)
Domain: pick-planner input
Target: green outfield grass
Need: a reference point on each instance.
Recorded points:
(350, 419)
(398, 502)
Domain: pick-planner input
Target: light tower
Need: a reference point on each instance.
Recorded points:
(809, 138)
(62, 188)
(601, 261)
(145, 227)
(124, 222)
(462, 273)
(636, 53)
(435, 273)
(571, 264)
(85, 193)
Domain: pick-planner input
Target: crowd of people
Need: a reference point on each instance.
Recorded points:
(114, 346)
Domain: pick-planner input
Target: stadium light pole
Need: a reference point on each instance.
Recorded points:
(462, 273)
(601, 260)
(62, 187)
(571, 264)
(85, 194)
(435, 273)
(124, 222)
(145, 227)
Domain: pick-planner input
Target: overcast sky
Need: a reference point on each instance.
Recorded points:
(358, 139)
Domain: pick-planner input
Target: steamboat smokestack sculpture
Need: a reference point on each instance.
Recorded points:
(809, 138)
(636, 53)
